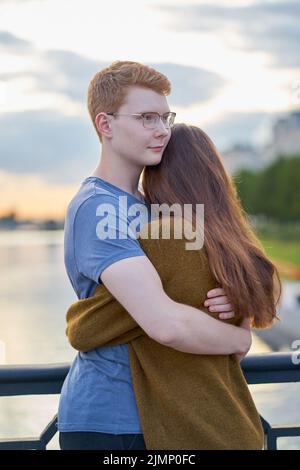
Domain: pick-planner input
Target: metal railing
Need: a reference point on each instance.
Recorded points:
(47, 379)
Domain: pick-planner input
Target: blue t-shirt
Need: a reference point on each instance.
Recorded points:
(101, 225)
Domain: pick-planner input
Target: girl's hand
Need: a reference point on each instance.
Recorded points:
(217, 301)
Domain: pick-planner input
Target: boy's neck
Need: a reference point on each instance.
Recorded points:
(124, 178)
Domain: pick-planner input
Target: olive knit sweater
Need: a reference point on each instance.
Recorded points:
(185, 401)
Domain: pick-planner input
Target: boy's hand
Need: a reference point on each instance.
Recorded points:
(217, 301)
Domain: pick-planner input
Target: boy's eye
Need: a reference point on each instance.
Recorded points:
(148, 117)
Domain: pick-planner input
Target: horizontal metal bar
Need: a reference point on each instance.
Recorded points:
(271, 368)
(48, 378)
(37, 379)
(285, 431)
(22, 444)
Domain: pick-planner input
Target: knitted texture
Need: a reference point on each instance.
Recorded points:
(185, 401)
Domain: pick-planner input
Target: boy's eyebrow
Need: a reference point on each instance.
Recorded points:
(143, 112)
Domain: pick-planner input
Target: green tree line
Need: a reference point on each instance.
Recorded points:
(273, 191)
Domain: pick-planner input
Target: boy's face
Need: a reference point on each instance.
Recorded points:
(130, 139)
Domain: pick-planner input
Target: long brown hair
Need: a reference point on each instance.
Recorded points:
(191, 172)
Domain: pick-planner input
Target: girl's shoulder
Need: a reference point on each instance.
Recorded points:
(173, 231)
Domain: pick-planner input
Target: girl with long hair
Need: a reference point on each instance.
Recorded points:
(190, 400)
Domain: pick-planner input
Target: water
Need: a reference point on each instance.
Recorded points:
(35, 293)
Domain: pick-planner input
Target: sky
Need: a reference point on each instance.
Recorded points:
(234, 66)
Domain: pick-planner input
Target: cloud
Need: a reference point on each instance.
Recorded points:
(63, 150)
(190, 85)
(239, 127)
(271, 27)
(54, 71)
(11, 43)
(68, 73)
(58, 147)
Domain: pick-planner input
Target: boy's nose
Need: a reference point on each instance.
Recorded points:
(161, 129)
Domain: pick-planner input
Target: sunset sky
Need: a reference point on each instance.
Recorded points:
(233, 66)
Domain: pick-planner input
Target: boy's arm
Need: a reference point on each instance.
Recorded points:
(245, 324)
(135, 283)
(101, 320)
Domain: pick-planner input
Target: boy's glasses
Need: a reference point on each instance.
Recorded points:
(151, 120)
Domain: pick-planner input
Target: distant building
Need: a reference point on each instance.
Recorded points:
(52, 224)
(9, 222)
(241, 156)
(285, 138)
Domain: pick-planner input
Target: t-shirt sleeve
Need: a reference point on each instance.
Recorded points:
(101, 237)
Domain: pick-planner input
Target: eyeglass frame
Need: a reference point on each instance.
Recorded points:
(142, 116)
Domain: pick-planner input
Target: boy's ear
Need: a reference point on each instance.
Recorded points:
(102, 123)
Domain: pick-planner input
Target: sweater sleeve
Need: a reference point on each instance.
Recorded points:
(100, 320)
